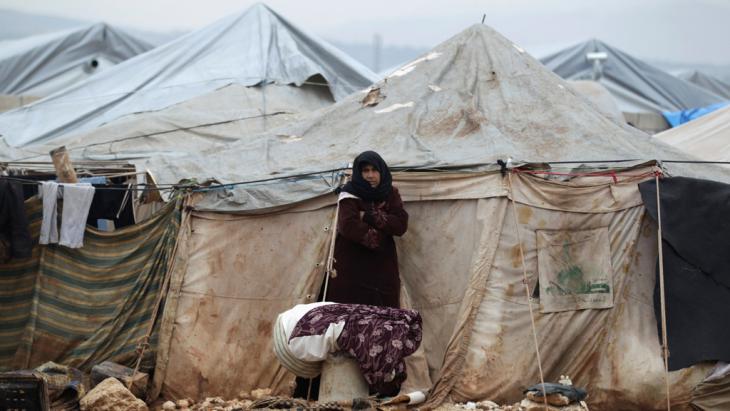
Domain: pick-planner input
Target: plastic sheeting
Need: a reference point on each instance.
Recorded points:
(246, 48)
(473, 99)
(44, 64)
(705, 138)
(636, 85)
(707, 82)
(461, 270)
(222, 116)
(676, 118)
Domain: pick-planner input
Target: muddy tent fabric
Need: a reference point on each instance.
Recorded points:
(713, 393)
(79, 307)
(222, 116)
(249, 48)
(694, 233)
(472, 100)
(44, 64)
(477, 339)
(707, 81)
(705, 138)
(637, 86)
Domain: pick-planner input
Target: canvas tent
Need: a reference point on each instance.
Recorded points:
(447, 117)
(221, 116)
(707, 138)
(637, 86)
(249, 48)
(707, 82)
(44, 64)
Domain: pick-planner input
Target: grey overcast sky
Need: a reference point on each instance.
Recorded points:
(668, 30)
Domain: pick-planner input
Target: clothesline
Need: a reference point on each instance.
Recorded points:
(201, 188)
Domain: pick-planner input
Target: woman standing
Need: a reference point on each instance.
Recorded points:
(371, 213)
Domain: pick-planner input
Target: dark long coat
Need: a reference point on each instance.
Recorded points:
(365, 256)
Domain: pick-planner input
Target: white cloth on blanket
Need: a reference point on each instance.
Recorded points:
(77, 200)
(76, 203)
(49, 225)
(310, 347)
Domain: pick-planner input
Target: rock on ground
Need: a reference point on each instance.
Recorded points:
(111, 395)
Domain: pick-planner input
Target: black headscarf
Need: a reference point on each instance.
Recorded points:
(361, 188)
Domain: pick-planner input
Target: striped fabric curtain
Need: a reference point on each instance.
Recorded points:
(79, 307)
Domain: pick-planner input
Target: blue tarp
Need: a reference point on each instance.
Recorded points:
(675, 118)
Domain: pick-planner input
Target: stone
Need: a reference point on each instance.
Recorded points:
(182, 404)
(111, 395)
(168, 406)
(529, 405)
(261, 393)
(552, 399)
(124, 374)
(487, 405)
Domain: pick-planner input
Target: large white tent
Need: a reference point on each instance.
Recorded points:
(43, 64)
(446, 117)
(250, 48)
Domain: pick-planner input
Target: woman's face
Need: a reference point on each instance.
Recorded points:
(371, 175)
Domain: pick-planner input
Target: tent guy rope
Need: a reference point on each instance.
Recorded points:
(527, 290)
(665, 348)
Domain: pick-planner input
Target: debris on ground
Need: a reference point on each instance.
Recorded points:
(562, 396)
(481, 405)
(124, 374)
(111, 395)
(66, 385)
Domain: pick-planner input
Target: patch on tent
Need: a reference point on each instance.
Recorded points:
(575, 269)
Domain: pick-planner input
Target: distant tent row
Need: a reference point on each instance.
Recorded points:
(254, 241)
(707, 82)
(642, 91)
(256, 47)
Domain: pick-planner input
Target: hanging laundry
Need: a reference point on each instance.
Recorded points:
(49, 225)
(15, 239)
(77, 200)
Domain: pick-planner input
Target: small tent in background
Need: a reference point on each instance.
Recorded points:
(250, 48)
(707, 82)
(707, 138)
(642, 92)
(44, 64)
(447, 116)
